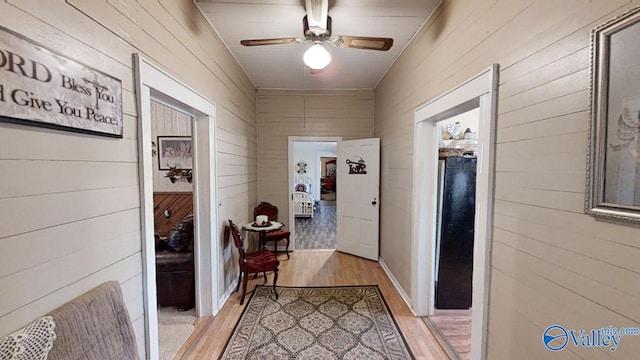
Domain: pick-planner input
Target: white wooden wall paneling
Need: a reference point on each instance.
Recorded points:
(564, 181)
(599, 242)
(560, 125)
(56, 242)
(86, 39)
(569, 63)
(58, 176)
(610, 275)
(166, 121)
(162, 45)
(60, 208)
(565, 85)
(108, 47)
(45, 144)
(583, 298)
(284, 113)
(120, 271)
(564, 105)
(65, 270)
(543, 50)
(92, 40)
(176, 15)
(510, 296)
(229, 148)
(555, 41)
(90, 49)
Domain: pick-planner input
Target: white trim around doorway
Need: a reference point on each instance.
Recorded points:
(479, 91)
(152, 83)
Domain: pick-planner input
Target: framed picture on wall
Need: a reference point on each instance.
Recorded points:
(175, 152)
(329, 166)
(613, 166)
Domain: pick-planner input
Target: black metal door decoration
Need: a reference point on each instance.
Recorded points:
(302, 167)
(357, 167)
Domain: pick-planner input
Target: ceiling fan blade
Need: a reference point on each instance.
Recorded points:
(363, 42)
(280, 41)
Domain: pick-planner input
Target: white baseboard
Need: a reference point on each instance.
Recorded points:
(227, 294)
(396, 284)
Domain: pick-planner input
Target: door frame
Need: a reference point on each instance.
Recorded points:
(153, 83)
(481, 90)
(290, 164)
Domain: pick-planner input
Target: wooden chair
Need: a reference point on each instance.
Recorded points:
(255, 262)
(265, 208)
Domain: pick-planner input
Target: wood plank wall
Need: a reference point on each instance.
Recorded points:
(551, 264)
(166, 121)
(283, 113)
(69, 206)
(179, 205)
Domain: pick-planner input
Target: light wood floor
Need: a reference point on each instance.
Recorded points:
(314, 268)
(455, 325)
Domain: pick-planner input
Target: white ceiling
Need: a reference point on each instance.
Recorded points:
(281, 66)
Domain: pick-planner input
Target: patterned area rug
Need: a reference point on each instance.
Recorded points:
(345, 322)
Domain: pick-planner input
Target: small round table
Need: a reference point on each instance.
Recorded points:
(262, 230)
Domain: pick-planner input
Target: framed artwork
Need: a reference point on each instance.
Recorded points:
(44, 88)
(175, 152)
(613, 165)
(329, 166)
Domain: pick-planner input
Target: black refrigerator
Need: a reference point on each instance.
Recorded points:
(454, 240)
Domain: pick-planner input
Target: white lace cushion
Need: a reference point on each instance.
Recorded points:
(32, 342)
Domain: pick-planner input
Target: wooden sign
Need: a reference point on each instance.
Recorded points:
(41, 87)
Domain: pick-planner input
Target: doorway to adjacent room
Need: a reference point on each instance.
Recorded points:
(172, 154)
(478, 93)
(154, 85)
(314, 192)
(455, 229)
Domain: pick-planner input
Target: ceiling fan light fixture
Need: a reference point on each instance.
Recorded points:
(316, 57)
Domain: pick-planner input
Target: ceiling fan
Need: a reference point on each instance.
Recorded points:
(317, 29)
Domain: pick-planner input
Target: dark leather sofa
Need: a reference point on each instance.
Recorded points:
(174, 266)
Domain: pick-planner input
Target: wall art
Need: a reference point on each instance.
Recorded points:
(613, 165)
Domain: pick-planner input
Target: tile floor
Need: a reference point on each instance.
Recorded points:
(319, 232)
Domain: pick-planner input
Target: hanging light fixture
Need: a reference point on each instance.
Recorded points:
(316, 57)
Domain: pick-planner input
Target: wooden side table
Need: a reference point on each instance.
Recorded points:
(262, 230)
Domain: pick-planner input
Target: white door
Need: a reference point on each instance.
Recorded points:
(358, 189)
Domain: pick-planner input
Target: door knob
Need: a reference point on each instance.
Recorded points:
(374, 202)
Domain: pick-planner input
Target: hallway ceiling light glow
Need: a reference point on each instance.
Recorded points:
(316, 57)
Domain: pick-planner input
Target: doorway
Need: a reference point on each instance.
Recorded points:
(454, 238)
(312, 179)
(172, 154)
(479, 92)
(153, 84)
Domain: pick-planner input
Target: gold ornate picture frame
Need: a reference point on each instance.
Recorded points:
(613, 163)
